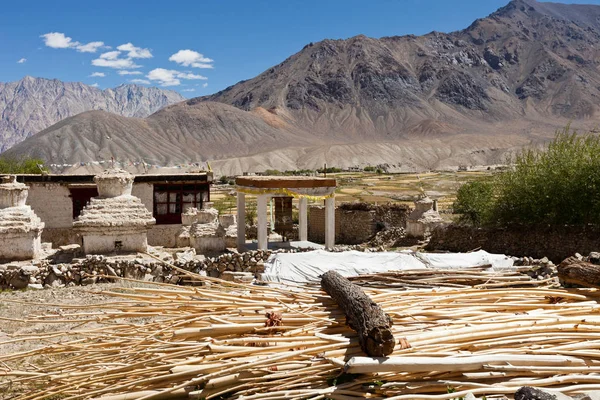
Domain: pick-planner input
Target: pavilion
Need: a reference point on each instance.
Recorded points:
(301, 187)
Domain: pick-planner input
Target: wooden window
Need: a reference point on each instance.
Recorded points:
(171, 200)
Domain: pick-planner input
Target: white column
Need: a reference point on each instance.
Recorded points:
(261, 211)
(303, 220)
(329, 222)
(241, 221)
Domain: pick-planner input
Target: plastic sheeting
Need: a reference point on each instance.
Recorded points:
(308, 267)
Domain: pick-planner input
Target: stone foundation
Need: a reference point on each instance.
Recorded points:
(26, 246)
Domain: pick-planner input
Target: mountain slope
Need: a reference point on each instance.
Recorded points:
(412, 102)
(175, 134)
(33, 104)
(526, 60)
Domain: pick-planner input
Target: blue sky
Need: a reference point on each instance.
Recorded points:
(199, 47)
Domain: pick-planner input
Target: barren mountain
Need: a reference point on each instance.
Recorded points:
(413, 102)
(33, 104)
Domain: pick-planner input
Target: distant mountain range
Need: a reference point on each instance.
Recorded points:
(33, 104)
(412, 102)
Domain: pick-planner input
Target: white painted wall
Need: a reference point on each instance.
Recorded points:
(164, 235)
(52, 203)
(145, 192)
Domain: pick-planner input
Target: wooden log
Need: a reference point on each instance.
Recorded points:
(574, 272)
(362, 314)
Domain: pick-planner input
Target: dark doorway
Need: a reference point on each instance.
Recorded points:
(80, 197)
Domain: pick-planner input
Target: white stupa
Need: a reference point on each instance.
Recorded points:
(115, 221)
(20, 228)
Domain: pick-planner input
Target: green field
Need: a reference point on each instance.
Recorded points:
(375, 188)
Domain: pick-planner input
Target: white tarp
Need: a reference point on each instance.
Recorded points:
(308, 267)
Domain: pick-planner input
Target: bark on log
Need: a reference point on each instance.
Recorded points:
(362, 314)
(574, 272)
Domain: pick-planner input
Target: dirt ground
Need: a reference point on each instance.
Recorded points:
(21, 315)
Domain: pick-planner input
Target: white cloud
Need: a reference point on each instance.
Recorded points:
(91, 47)
(205, 84)
(22, 60)
(135, 52)
(125, 72)
(188, 90)
(117, 64)
(191, 58)
(98, 75)
(110, 55)
(94, 85)
(58, 40)
(142, 81)
(188, 75)
(169, 77)
(111, 59)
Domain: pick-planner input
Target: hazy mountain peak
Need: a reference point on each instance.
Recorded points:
(33, 104)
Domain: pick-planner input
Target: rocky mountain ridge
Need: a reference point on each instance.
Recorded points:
(33, 104)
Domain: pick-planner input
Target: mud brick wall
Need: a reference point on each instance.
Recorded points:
(353, 226)
(554, 242)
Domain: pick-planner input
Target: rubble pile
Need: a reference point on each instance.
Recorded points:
(391, 237)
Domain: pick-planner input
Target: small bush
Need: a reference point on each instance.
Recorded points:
(474, 202)
(250, 214)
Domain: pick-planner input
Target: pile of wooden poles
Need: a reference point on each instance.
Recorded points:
(229, 340)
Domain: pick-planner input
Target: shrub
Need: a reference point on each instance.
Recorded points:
(474, 202)
(558, 185)
(21, 166)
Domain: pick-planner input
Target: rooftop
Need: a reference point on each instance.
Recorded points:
(270, 182)
(150, 178)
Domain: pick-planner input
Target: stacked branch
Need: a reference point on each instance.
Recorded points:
(259, 342)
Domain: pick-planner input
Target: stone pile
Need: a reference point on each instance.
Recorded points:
(530, 393)
(390, 238)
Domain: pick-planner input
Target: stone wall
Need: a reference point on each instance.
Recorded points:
(355, 226)
(98, 268)
(556, 243)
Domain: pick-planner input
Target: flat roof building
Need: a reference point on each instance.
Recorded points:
(59, 199)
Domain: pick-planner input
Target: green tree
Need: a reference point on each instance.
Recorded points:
(474, 202)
